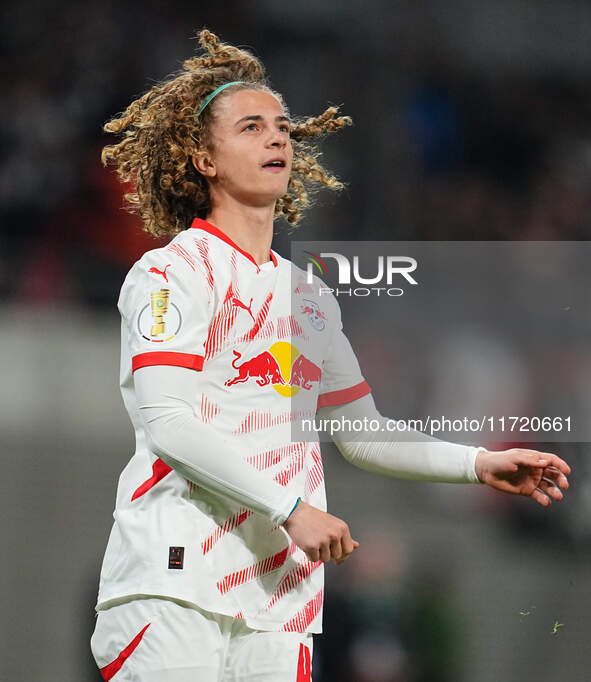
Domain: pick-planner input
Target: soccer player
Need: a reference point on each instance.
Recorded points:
(214, 566)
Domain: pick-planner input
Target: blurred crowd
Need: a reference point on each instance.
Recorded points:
(440, 150)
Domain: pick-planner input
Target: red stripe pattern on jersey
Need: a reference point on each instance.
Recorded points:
(271, 563)
(294, 466)
(113, 668)
(268, 458)
(234, 272)
(183, 253)
(159, 470)
(294, 453)
(209, 409)
(345, 395)
(303, 288)
(304, 665)
(259, 320)
(288, 327)
(255, 420)
(227, 527)
(203, 248)
(221, 324)
(265, 332)
(291, 579)
(303, 618)
(315, 474)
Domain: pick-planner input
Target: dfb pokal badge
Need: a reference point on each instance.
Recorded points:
(159, 310)
(159, 320)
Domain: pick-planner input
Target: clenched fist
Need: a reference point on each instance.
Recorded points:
(320, 535)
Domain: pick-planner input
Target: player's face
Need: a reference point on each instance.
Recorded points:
(250, 129)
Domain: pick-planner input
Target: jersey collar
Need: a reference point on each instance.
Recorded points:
(200, 224)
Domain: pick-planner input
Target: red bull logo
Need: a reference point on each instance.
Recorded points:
(282, 366)
(304, 372)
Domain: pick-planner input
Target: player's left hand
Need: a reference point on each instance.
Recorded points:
(539, 475)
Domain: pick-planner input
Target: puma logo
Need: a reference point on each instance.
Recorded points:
(235, 301)
(160, 272)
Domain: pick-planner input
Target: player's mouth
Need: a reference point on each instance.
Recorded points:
(275, 165)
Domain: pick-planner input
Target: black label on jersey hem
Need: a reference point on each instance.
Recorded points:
(176, 557)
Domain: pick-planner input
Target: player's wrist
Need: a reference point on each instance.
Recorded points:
(295, 509)
(480, 464)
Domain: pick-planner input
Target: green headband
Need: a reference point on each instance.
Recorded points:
(208, 99)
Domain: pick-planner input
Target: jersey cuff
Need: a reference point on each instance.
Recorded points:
(167, 358)
(345, 395)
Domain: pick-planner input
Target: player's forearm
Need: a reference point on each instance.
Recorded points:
(418, 457)
(198, 451)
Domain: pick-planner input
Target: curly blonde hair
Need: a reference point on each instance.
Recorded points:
(162, 131)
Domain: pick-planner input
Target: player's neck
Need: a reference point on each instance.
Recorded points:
(250, 227)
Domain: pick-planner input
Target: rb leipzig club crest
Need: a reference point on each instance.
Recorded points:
(282, 366)
(160, 320)
(315, 316)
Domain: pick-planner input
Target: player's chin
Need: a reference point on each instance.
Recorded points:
(274, 183)
(279, 190)
(269, 197)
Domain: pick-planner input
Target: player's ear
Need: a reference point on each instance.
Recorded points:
(205, 166)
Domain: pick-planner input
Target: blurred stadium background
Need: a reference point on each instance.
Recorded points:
(472, 122)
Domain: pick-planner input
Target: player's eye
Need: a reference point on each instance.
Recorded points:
(284, 127)
(250, 125)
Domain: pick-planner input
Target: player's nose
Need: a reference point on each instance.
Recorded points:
(277, 139)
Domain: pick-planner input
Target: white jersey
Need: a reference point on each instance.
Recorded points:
(271, 351)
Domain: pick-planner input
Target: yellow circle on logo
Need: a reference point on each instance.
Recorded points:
(286, 355)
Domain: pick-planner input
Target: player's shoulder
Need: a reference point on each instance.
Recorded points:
(308, 285)
(176, 264)
(179, 258)
(305, 280)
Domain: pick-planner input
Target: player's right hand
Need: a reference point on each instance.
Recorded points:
(320, 535)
